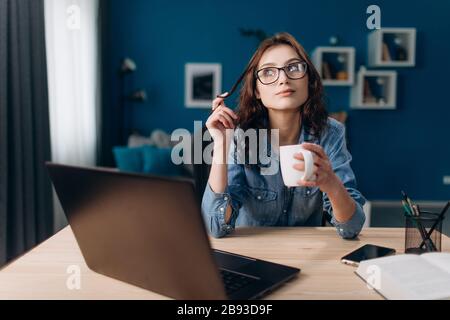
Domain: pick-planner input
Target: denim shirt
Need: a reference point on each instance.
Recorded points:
(263, 200)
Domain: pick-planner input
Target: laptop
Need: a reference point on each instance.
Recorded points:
(148, 231)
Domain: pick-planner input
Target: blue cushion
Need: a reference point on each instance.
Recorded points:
(129, 159)
(158, 161)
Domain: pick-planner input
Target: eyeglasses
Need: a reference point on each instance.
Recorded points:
(287, 70)
(293, 71)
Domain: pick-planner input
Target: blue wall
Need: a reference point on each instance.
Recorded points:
(387, 146)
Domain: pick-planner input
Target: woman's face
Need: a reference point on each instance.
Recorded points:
(285, 93)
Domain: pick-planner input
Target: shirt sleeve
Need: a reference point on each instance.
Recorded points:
(340, 159)
(214, 204)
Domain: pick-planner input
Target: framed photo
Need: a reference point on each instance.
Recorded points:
(203, 82)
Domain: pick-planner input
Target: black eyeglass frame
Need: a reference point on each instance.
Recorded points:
(279, 71)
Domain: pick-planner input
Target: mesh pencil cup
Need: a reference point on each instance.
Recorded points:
(417, 229)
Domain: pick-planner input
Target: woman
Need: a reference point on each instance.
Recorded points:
(281, 90)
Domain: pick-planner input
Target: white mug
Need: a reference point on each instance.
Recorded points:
(290, 175)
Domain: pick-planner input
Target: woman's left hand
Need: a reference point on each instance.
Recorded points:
(326, 179)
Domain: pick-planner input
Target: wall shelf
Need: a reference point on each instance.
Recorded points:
(374, 89)
(336, 65)
(392, 47)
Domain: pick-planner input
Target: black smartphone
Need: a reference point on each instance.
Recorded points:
(366, 252)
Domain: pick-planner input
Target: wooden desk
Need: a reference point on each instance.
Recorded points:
(42, 272)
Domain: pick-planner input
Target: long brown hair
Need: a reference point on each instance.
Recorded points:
(253, 114)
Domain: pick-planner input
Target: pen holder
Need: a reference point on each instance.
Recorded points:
(417, 237)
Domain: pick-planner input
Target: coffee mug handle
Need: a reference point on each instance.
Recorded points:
(309, 164)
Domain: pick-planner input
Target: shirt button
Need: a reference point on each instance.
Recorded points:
(258, 197)
(308, 192)
(225, 198)
(284, 211)
(221, 209)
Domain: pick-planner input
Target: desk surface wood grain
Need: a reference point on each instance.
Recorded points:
(42, 273)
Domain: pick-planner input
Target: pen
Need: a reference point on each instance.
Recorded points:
(408, 200)
(406, 208)
(416, 209)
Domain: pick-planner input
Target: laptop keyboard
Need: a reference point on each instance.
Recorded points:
(234, 281)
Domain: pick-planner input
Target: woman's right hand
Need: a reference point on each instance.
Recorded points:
(220, 120)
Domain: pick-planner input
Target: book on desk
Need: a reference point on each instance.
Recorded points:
(409, 276)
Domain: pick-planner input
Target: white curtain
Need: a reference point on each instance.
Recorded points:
(71, 30)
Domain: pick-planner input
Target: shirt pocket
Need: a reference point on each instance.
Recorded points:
(307, 201)
(306, 192)
(261, 207)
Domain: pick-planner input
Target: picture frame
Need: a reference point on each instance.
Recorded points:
(203, 82)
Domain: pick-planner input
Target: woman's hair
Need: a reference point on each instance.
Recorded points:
(253, 114)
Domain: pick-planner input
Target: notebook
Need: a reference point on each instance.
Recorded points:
(409, 276)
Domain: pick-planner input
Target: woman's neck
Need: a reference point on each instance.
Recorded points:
(289, 124)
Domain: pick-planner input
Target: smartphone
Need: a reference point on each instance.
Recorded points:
(366, 252)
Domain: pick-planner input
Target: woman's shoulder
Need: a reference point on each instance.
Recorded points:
(335, 126)
(333, 132)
